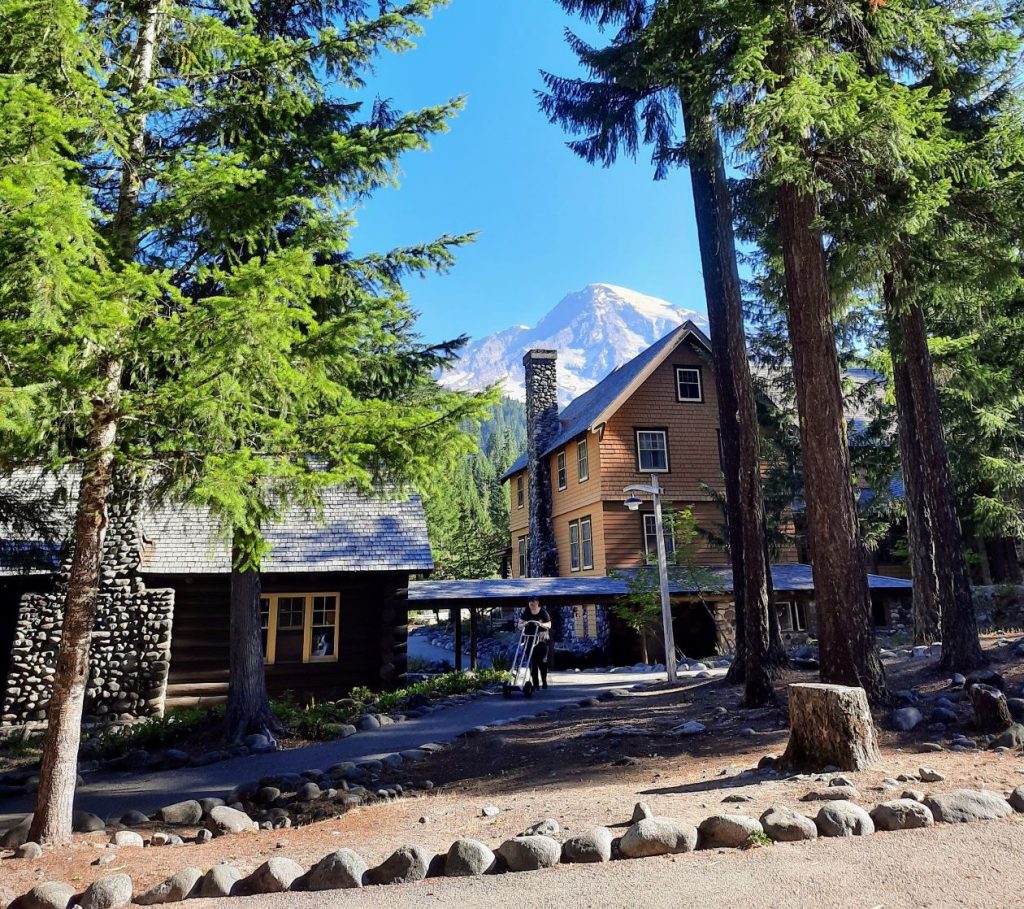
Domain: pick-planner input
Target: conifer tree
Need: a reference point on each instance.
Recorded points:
(636, 94)
(178, 298)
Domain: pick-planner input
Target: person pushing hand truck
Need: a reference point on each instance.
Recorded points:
(537, 615)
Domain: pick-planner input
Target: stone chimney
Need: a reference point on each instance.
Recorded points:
(541, 428)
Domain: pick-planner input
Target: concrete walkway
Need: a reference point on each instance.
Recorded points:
(110, 795)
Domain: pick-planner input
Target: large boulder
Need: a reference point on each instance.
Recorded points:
(128, 839)
(341, 870)
(276, 875)
(1010, 738)
(404, 866)
(901, 814)
(179, 886)
(906, 718)
(784, 825)
(219, 881)
(107, 893)
(727, 831)
(591, 847)
(959, 806)
(1016, 799)
(17, 835)
(87, 822)
(844, 819)
(530, 853)
(49, 895)
(468, 858)
(658, 836)
(224, 820)
(187, 812)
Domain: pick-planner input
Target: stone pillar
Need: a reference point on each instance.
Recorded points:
(541, 429)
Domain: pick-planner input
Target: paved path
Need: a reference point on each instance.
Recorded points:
(958, 865)
(110, 795)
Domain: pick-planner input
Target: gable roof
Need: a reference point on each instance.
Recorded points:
(352, 533)
(596, 406)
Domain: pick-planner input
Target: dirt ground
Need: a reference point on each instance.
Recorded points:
(555, 766)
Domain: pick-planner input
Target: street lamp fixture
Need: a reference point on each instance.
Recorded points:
(633, 504)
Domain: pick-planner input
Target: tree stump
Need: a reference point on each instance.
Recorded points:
(991, 710)
(829, 724)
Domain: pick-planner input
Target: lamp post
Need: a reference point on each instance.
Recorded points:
(633, 503)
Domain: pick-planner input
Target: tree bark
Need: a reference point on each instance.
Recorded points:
(58, 771)
(961, 649)
(830, 724)
(58, 776)
(924, 571)
(737, 414)
(248, 709)
(991, 710)
(846, 640)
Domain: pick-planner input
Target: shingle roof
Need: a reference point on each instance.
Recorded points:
(355, 533)
(352, 533)
(584, 411)
(786, 578)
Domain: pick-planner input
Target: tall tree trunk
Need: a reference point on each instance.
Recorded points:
(961, 650)
(58, 773)
(846, 639)
(737, 414)
(1001, 553)
(248, 708)
(925, 594)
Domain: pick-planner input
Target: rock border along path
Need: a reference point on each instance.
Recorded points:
(112, 794)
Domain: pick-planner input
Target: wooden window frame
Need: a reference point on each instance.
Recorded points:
(639, 462)
(582, 463)
(574, 546)
(700, 384)
(650, 554)
(584, 539)
(561, 471)
(520, 492)
(270, 657)
(523, 554)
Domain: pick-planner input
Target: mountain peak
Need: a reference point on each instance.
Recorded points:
(595, 330)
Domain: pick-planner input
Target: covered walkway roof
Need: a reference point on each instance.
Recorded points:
(787, 578)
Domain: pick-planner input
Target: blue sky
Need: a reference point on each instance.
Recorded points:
(549, 223)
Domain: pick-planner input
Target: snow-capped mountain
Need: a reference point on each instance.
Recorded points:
(594, 331)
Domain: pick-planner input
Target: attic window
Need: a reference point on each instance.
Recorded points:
(688, 384)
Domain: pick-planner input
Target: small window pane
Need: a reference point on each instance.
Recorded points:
(652, 450)
(688, 384)
(291, 615)
(574, 546)
(290, 612)
(325, 622)
(582, 460)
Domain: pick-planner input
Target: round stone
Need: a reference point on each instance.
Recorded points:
(784, 825)
(658, 836)
(468, 858)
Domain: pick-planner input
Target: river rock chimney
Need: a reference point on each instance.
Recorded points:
(541, 428)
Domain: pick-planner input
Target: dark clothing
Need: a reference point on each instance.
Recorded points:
(539, 657)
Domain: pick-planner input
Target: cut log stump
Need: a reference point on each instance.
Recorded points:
(991, 709)
(829, 724)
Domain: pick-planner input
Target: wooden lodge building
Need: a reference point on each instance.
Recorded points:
(333, 607)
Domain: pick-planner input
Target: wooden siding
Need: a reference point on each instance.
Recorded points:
(623, 534)
(519, 518)
(576, 495)
(692, 431)
(596, 514)
(372, 639)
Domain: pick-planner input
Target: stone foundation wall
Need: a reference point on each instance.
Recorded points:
(131, 643)
(582, 644)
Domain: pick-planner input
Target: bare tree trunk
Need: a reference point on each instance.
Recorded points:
(737, 414)
(248, 708)
(925, 595)
(58, 774)
(58, 771)
(846, 639)
(961, 649)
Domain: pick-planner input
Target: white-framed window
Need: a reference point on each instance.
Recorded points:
(791, 615)
(560, 466)
(574, 545)
(520, 492)
(587, 542)
(651, 538)
(582, 461)
(299, 627)
(523, 551)
(688, 384)
(652, 451)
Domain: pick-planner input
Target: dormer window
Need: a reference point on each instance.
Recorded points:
(688, 384)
